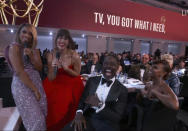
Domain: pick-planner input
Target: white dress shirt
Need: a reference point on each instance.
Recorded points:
(142, 74)
(103, 90)
(102, 93)
(92, 69)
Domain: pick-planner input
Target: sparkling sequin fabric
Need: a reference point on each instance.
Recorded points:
(33, 112)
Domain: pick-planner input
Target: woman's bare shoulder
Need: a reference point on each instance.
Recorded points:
(14, 47)
(75, 55)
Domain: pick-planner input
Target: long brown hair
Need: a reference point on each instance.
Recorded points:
(66, 34)
(33, 31)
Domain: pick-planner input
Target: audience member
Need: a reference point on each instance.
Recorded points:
(103, 101)
(141, 71)
(172, 80)
(63, 86)
(159, 89)
(93, 66)
(28, 93)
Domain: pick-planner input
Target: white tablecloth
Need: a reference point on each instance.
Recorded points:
(130, 83)
(134, 83)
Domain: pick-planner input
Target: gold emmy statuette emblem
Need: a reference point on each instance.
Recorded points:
(29, 10)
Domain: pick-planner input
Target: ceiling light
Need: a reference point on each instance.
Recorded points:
(11, 30)
(50, 33)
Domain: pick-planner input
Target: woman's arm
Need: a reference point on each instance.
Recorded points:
(51, 75)
(76, 65)
(168, 97)
(17, 63)
(36, 60)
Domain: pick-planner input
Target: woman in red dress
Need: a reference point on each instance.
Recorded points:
(63, 86)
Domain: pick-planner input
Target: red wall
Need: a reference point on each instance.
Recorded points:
(79, 15)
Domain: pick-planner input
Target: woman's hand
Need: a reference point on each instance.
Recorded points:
(152, 93)
(37, 94)
(56, 63)
(146, 90)
(49, 58)
(29, 52)
(64, 65)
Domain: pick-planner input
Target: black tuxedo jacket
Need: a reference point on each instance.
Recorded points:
(115, 102)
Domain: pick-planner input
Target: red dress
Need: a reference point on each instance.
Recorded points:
(63, 94)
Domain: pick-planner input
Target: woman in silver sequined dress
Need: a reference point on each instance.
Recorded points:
(27, 89)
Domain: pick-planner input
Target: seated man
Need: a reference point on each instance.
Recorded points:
(141, 71)
(103, 101)
(93, 65)
(172, 80)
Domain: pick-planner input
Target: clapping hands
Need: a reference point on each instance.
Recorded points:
(29, 52)
(149, 91)
(56, 63)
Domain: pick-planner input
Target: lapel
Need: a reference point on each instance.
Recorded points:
(97, 66)
(94, 84)
(88, 66)
(114, 92)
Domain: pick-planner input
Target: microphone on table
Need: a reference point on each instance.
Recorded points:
(26, 57)
(56, 67)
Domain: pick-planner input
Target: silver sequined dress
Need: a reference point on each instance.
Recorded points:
(33, 112)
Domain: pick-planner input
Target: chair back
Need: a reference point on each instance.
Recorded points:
(159, 118)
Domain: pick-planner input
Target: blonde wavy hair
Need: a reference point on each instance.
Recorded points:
(33, 31)
(168, 58)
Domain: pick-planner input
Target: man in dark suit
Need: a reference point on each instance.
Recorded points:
(141, 71)
(103, 101)
(93, 65)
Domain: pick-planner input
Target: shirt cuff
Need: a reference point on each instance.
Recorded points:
(100, 109)
(79, 111)
(95, 107)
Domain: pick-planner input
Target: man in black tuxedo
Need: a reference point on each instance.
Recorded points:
(103, 101)
(93, 65)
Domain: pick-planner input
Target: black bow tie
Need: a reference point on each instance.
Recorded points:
(108, 82)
